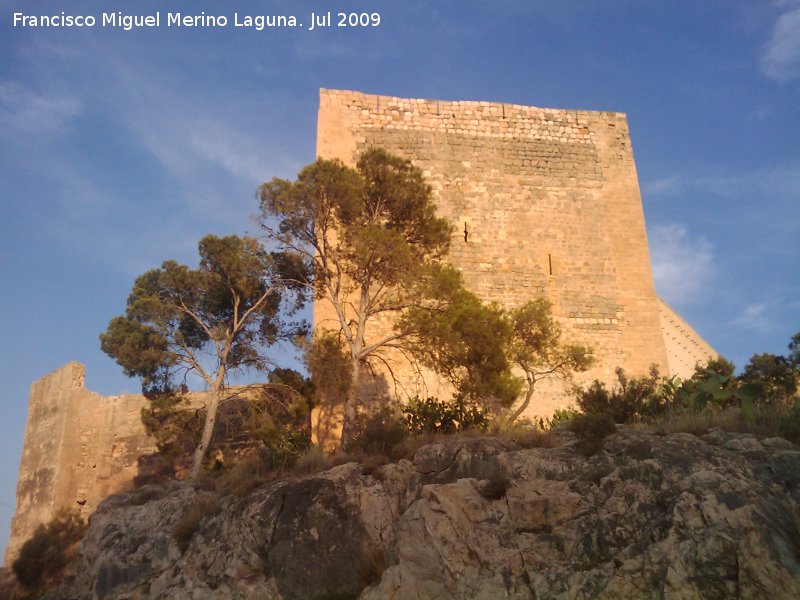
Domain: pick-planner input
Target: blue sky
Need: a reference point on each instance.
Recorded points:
(121, 149)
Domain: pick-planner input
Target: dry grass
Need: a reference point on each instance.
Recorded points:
(765, 422)
(314, 460)
(184, 529)
(528, 436)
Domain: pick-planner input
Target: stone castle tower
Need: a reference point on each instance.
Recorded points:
(550, 204)
(79, 448)
(546, 203)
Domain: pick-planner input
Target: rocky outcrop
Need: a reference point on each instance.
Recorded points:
(650, 516)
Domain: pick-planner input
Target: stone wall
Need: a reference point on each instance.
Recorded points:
(545, 202)
(79, 448)
(685, 347)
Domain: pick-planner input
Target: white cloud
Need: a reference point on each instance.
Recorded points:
(755, 317)
(24, 112)
(781, 57)
(663, 185)
(682, 265)
(779, 181)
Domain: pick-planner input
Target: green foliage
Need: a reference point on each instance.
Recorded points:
(465, 342)
(229, 306)
(365, 240)
(591, 429)
(44, 557)
(720, 365)
(774, 376)
(790, 425)
(561, 415)
(475, 345)
(273, 418)
(175, 427)
(794, 351)
(711, 389)
(767, 380)
(535, 347)
(213, 320)
(630, 400)
(430, 415)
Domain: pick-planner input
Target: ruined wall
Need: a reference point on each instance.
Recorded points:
(550, 202)
(79, 448)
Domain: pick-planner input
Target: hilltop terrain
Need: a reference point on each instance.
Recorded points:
(650, 515)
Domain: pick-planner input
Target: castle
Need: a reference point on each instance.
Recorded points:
(549, 200)
(546, 203)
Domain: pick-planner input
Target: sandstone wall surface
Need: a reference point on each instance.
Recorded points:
(79, 448)
(549, 200)
(685, 347)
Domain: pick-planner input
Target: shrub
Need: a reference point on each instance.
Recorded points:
(630, 400)
(44, 557)
(774, 376)
(434, 416)
(378, 434)
(560, 415)
(790, 426)
(496, 485)
(763, 421)
(175, 426)
(313, 460)
(284, 447)
(591, 429)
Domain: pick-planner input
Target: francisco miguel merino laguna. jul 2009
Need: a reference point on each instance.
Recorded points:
(128, 22)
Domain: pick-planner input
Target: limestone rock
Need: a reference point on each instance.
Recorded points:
(649, 516)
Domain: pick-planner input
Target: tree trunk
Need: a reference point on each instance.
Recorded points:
(525, 403)
(350, 412)
(208, 432)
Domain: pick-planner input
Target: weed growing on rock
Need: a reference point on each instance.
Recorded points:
(591, 430)
(496, 485)
(184, 529)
